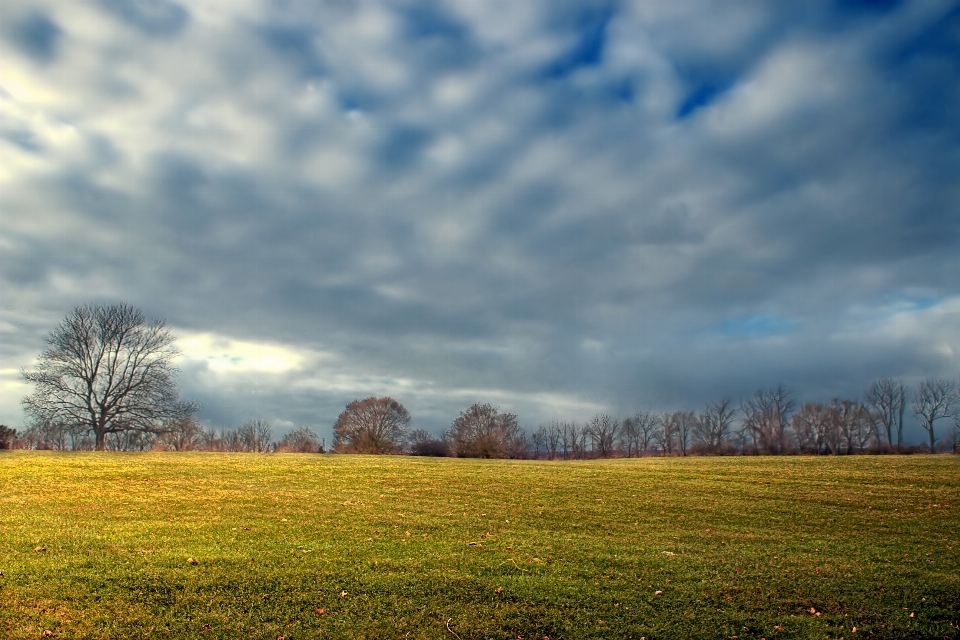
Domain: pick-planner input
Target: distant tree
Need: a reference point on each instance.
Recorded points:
(372, 425)
(679, 428)
(577, 435)
(300, 440)
(811, 425)
(181, 434)
(483, 431)
(603, 429)
(934, 400)
(424, 443)
(7, 437)
(538, 440)
(566, 438)
(766, 417)
(108, 370)
(256, 436)
(646, 424)
(57, 436)
(210, 440)
(130, 440)
(714, 425)
(955, 434)
(663, 435)
(231, 441)
(887, 400)
(853, 422)
(551, 435)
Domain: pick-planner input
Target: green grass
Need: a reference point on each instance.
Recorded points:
(393, 547)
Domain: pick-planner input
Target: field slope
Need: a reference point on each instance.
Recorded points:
(306, 546)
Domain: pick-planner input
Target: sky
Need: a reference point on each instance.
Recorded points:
(557, 207)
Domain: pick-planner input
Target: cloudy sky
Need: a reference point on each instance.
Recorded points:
(556, 207)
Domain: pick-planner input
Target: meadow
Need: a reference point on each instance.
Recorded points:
(215, 545)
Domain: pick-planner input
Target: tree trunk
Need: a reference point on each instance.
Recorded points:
(101, 440)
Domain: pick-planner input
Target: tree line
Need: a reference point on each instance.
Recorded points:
(106, 382)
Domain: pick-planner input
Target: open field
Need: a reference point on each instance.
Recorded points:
(99, 545)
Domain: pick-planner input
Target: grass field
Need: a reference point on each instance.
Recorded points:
(204, 545)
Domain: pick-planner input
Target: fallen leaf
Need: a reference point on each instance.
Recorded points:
(812, 611)
(319, 612)
(669, 553)
(205, 627)
(912, 614)
(854, 630)
(40, 550)
(343, 594)
(498, 590)
(657, 593)
(778, 627)
(709, 530)
(193, 561)
(47, 633)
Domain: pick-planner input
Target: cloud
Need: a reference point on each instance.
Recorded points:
(559, 207)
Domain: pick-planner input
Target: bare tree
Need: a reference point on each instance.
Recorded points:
(231, 441)
(935, 399)
(7, 437)
(539, 440)
(300, 440)
(680, 426)
(483, 431)
(107, 369)
(210, 440)
(424, 443)
(666, 435)
(130, 441)
(811, 425)
(887, 400)
(603, 429)
(714, 424)
(628, 436)
(256, 436)
(766, 418)
(372, 425)
(646, 423)
(572, 440)
(554, 437)
(181, 434)
(663, 437)
(851, 422)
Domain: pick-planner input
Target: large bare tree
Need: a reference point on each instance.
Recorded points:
(935, 399)
(603, 429)
(107, 370)
(887, 400)
(483, 431)
(714, 425)
(766, 417)
(372, 425)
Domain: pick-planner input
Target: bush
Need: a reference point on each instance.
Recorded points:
(7, 437)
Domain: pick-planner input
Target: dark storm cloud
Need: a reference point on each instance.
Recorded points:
(36, 34)
(151, 17)
(559, 208)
